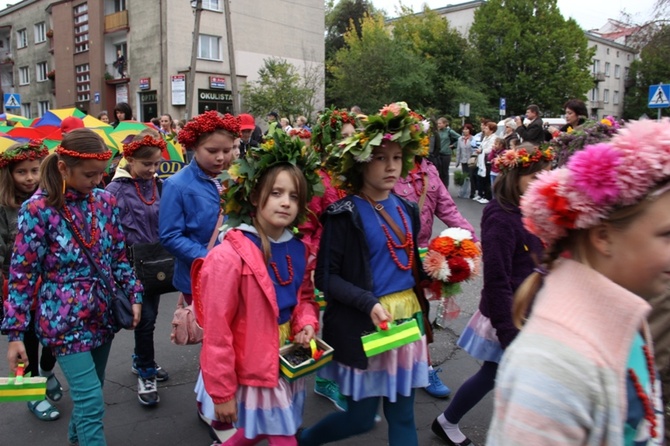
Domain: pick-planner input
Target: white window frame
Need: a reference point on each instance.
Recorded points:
(120, 5)
(84, 97)
(40, 32)
(595, 93)
(615, 97)
(43, 107)
(596, 65)
(617, 71)
(607, 69)
(606, 96)
(24, 75)
(25, 110)
(209, 41)
(21, 38)
(211, 5)
(41, 70)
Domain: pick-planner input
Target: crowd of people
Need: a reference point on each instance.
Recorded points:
(259, 223)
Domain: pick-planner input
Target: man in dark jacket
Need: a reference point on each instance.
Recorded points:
(533, 132)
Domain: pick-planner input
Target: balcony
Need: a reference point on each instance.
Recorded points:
(116, 21)
(597, 104)
(599, 76)
(629, 82)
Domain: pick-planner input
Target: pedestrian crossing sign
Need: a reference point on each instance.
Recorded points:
(659, 96)
(12, 100)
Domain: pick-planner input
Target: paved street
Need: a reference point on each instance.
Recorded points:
(174, 420)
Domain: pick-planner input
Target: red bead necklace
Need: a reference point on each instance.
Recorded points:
(424, 184)
(153, 193)
(391, 245)
(644, 398)
(288, 281)
(94, 223)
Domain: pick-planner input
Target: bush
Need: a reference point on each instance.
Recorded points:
(459, 177)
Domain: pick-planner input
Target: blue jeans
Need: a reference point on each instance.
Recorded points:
(85, 373)
(144, 336)
(360, 418)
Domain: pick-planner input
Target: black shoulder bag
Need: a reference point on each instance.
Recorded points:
(122, 310)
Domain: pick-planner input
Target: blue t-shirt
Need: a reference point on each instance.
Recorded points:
(387, 277)
(287, 295)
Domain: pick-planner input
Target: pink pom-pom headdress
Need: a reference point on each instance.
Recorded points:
(598, 180)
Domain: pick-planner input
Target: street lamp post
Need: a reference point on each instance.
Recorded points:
(190, 90)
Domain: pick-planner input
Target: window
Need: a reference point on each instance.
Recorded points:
(615, 97)
(24, 76)
(84, 68)
(40, 32)
(617, 71)
(606, 96)
(608, 50)
(209, 47)
(119, 5)
(41, 70)
(595, 94)
(21, 38)
(627, 56)
(25, 110)
(43, 107)
(607, 69)
(83, 76)
(85, 97)
(626, 72)
(596, 65)
(212, 5)
(79, 9)
(617, 54)
(81, 28)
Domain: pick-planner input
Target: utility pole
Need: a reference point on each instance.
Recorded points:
(190, 90)
(231, 58)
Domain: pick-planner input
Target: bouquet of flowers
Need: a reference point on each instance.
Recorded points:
(591, 132)
(452, 258)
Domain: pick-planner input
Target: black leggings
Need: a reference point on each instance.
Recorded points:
(47, 361)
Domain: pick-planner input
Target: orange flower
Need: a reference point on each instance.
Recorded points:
(469, 249)
(443, 245)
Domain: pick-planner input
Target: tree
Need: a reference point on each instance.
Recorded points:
(282, 88)
(374, 69)
(430, 36)
(529, 54)
(652, 67)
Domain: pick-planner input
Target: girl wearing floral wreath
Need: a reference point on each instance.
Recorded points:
(19, 176)
(257, 293)
(365, 269)
(582, 369)
(423, 186)
(73, 316)
(190, 212)
(137, 191)
(510, 253)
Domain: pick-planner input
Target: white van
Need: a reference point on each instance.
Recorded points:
(555, 122)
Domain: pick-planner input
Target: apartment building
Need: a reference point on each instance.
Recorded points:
(611, 63)
(101, 52)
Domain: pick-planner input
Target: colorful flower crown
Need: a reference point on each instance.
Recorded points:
(242, 177)
(394, 122)
(597, 180)
(100, 156)
(328, 128)
(589, 133)
(300, 133)
(147, 141)
(32, 150)
(207, 122)
(520, 158)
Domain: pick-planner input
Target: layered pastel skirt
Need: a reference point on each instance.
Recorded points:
(264, 410)
(479, 339)
(394, 372)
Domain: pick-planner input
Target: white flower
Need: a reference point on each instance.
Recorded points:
(445, 273)
(457, 234)
(426, 125)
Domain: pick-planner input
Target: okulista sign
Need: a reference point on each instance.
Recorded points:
(215, 96)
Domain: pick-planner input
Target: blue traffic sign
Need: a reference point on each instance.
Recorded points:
(12, 100)
(659, 96)
(503, 104)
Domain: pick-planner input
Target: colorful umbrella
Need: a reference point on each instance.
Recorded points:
(6, 143)
(16, 119)
(127, 130)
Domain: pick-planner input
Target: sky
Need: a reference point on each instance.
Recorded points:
(589, 14)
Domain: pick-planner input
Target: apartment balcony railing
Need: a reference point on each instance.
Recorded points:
(599, 76)
(116, 21)
(597, 104)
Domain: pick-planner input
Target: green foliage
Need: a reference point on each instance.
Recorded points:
(280, 87)
(653, 67)
(374, 69)
(529, 54)
(459, 177)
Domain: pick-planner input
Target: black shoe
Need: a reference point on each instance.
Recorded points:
(437, 430)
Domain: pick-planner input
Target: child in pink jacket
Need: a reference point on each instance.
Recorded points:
(257, 294)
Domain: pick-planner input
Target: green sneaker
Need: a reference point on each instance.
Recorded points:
(330, 389)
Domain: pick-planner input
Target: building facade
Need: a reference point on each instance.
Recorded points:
(102, 52)
(610, 68)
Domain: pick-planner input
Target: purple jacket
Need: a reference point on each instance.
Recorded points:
(438, 202)
(139, 220)
(507, 252)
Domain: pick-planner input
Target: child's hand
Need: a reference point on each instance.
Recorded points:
(304, 336)
(226, 412)
(379, 314)
(137, 314)
(16, 352)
